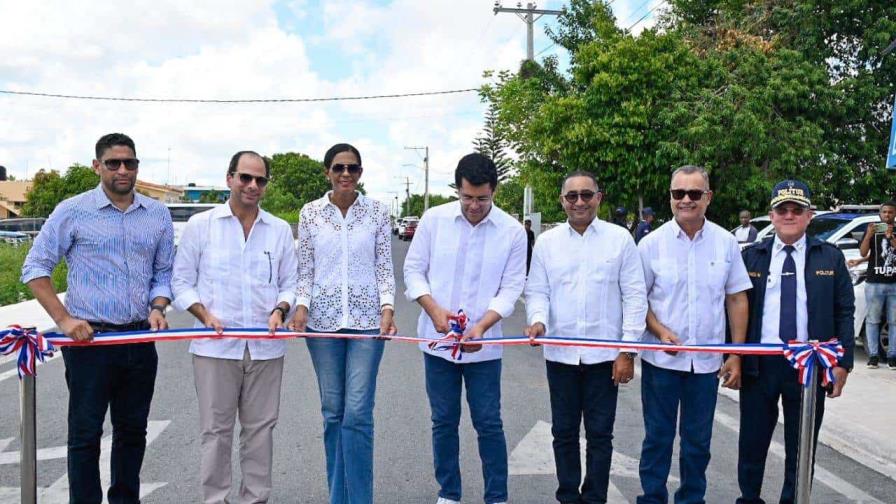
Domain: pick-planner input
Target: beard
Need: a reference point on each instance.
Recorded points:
(112, 187)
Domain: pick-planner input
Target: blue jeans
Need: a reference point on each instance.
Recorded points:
(120, 378)
(346, 377)
(877, 297)
(585, 390)
(444, 380)
(662, 391)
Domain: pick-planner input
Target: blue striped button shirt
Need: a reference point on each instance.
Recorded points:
(118, 261)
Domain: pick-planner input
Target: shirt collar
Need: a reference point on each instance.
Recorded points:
(224, 210)
(326, 199)
(458, 214)
(592, 228)
(101, 199)
(778, 246)
(679, 233)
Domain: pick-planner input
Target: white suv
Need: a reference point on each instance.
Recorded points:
(181, 213)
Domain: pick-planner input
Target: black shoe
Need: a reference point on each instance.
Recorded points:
(872, 362)
(891, 363)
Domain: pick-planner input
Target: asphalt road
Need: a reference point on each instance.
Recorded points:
(403, 457)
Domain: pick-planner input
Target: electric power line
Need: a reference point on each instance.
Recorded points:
(252, 100)
(655, 7)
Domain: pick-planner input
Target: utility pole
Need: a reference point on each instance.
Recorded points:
(529, 15)
(407, 192)
(425, 176)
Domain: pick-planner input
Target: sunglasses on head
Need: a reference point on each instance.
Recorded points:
(115, 164)
(353, 169)
(247, 179)
(693, 194)
(795, 210)
(573, 196)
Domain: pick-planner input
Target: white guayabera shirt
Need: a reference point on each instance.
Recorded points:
(687, 281)
(586, 286)
(345, 264)
(238, 280)
(474, 268)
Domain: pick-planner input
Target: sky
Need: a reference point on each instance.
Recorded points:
(250, 49)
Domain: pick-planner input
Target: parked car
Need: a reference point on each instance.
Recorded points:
(181, 213)
(407, 232)
(14, 238)
(403, 223)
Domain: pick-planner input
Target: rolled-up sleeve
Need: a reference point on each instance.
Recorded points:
(288, 270)
(184, 279)
(538, 287)
(416, 262)
(513, 277)
(49, 247)
(634, 293)
(160, 283)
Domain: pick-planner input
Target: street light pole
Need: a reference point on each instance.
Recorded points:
(425, 175)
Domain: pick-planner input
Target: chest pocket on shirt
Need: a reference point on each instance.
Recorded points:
(665, 273)
(717, 273)
(264, 267)
(606, 271)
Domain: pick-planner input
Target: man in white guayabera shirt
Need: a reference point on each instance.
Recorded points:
(468, 255)
(585, 282)
(236, 266)
(694, 273)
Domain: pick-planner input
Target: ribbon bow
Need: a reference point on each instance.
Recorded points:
(30, 344)
(803, 356)
(457, 324)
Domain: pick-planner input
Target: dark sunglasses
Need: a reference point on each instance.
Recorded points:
(797, 210)
(693, 194)
(573, 196)
(247, 179)
(115, 164)
(353, 169)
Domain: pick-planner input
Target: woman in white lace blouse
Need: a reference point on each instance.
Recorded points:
(346, 285)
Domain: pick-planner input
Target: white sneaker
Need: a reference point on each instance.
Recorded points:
(443, 500)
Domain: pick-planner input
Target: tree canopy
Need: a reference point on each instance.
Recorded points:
(50, 188)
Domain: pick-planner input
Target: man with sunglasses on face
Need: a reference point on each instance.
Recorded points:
(469, 255)
(236, 266)
(694, 274)
(801, 291)
(118, 245)
(585, 282)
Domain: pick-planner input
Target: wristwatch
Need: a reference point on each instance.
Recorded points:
(160, 308)
(283, 312)
(630, 355)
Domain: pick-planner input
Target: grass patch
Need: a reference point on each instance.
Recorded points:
(11, 289)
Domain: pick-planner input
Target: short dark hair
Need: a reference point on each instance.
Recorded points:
(235, 160)
(112, 139)
(339, 149)
(580, 173)
(891, 203)
(477, 170)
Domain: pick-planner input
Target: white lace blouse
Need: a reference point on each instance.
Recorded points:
(345, 264)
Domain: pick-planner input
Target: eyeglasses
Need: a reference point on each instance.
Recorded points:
(247, 179)
(467, 199)
(353, 169)
(795, 210)
(573, 196)
(115, 164)
(693, 194)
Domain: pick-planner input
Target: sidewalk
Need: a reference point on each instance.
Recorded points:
(859, 423)
(27, 313)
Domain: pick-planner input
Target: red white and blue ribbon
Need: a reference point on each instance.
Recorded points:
(803, 356)
(30, 345)
(452, 341)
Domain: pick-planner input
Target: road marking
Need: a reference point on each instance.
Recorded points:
(57, 493)
(534, 455)
(823, 476)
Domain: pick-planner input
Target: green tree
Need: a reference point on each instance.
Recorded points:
(50, 188)
(492, 144)
(212, 196)
(416, 203)
(296, 179)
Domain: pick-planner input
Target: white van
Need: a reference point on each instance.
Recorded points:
(181, 213)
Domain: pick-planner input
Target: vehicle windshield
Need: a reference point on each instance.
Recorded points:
(823, 227)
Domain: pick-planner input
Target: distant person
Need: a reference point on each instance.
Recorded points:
(237, 377)
(119, 247)
(470, 255)
(880, 284)
(586, 280)
(746, 232)
(347, 286)
(619, 217)
(530, 242)
(646, 224)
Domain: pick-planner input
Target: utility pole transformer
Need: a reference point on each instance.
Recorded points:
(529, 15)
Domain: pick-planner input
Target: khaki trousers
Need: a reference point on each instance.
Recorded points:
(224, 388)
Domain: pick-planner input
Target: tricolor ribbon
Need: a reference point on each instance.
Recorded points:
(803, 356)
(30, 344)
(451, 341)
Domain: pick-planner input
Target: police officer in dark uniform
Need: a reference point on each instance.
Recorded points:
(801, 291)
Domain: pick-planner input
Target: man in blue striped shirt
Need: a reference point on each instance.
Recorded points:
(119, 248)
